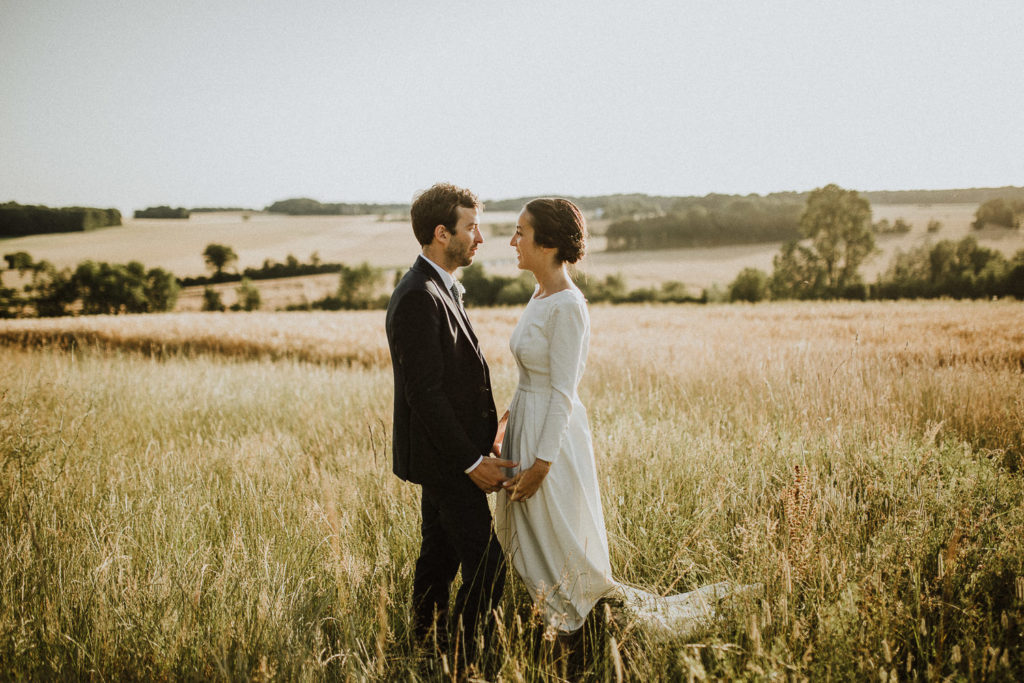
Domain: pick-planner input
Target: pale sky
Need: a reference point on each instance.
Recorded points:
(133, 103)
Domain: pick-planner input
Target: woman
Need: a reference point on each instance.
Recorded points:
(550, 523)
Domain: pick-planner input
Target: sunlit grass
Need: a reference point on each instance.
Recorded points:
(227, 512)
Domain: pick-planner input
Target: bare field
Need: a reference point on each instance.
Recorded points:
(177, 245)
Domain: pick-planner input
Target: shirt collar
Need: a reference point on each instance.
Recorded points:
(446, 277)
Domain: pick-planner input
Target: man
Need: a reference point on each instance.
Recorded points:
(445, 424)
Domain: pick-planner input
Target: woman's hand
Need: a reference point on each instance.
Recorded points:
(525, 484)
(500, 436)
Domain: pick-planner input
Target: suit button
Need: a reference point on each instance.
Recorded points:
(486, 413)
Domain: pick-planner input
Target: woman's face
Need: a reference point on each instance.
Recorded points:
(531, 255)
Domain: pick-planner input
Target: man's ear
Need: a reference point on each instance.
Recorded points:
(441, 233)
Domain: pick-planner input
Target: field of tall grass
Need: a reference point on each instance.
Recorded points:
(209, 496)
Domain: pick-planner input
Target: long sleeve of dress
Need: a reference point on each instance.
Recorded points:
(566, 331)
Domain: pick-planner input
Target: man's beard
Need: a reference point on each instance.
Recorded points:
(458, 255)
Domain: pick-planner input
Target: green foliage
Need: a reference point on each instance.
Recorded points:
(212, 300)
(304, 206)
(248, 296)
(612, 288)
(750, 285)
(898, 227)
(973, 195)
(483, 290)
(105, 288)
(934, 225)
(17, 220)
(270, 270)
(218, 257)
(959, 270)
(359, 288)
(20, 261)
(161, 289)
(628, 206)
(92, 288)
(999, 212)
(838, 224)
(162, 212)
(710, 221)
(798, 273)
(51, 292)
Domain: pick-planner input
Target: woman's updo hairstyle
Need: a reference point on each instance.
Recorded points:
(558, 223)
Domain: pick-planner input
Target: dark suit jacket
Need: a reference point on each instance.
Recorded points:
(444, 410)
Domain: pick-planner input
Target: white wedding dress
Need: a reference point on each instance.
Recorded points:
(556, 540)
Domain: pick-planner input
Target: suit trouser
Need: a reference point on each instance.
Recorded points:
(457, 531)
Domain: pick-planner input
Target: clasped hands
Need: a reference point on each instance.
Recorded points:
(489, 476)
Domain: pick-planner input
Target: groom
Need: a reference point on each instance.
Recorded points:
(445, 424)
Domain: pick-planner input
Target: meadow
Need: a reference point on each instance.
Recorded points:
(209, 496)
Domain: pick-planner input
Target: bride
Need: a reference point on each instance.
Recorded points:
(550, 522)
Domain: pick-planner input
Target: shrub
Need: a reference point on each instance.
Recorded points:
(212, 300)
(750, 285)
(998, 212)
(162, 212)
(248, 297)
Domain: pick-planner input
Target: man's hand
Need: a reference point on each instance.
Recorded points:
(525, 484)
(489, 475)
(500, 436)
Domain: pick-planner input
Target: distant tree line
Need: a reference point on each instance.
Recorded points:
(972, 195)
(19, 220)
(91, 288)
(162, 212)
(958, 270)
(639, 205)
(218, 257)
(609, 205)
(498, 290)
(710, 221)
(303, 206)
(838, 236)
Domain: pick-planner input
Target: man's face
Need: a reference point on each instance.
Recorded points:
(462, 245)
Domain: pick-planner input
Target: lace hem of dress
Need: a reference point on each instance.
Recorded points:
(681, 614)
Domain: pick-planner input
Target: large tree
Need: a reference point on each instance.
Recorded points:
(838, 224)
(999, 212)
(218, 257)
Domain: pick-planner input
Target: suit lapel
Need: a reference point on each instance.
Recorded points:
(449, 300)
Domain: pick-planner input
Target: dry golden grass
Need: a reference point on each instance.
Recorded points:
(674, 338)
(218, 514)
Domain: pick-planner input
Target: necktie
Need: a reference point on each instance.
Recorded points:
(457, 293)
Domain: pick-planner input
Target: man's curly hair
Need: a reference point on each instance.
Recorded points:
(437, 206)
